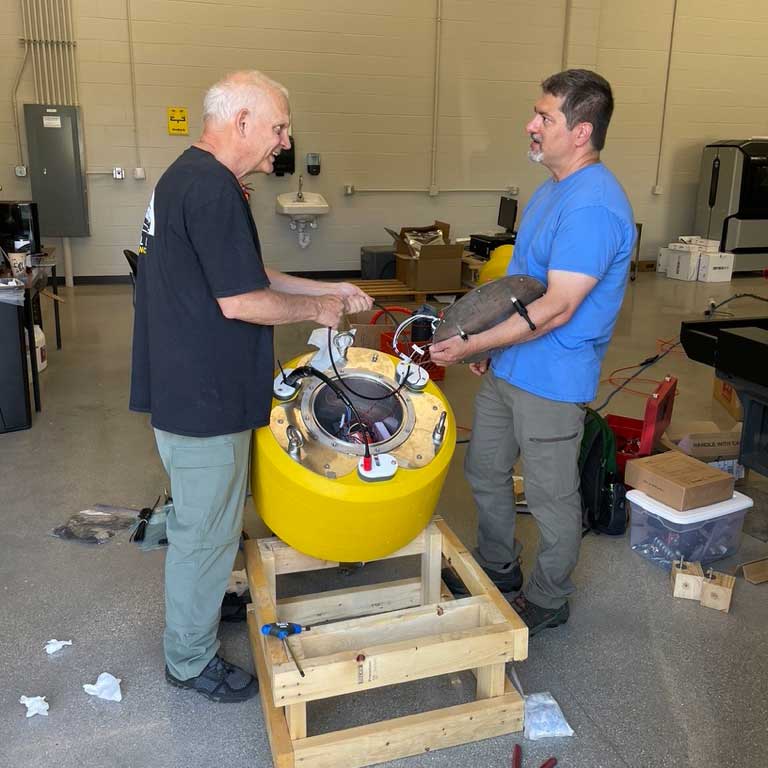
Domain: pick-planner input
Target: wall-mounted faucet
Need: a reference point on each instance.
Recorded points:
(300, 194)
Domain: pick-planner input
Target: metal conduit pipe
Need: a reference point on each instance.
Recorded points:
(73, 59)
(27, 11)
(49, 42)
(61, 34)
(59, 52)
(39, 38)
(67, 45)
(433, 190)
(50, 49)
(53, 51)
(132, 73)
(368, 190)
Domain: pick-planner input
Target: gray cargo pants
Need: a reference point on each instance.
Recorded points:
(510, 422)
(209, 476)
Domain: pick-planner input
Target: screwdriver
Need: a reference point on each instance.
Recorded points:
(283, 630)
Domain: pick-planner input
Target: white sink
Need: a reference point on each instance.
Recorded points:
(313, 204)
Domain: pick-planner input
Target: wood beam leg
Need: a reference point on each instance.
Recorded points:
(296, 718)
(491, 681)
(431, 562)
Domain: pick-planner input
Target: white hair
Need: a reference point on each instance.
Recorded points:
(239, 90)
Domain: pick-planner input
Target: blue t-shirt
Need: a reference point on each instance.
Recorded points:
(584, 224)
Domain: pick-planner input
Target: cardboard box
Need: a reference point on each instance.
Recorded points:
(726, 395)
(662, 260)
(401, 246)
(704, 440)
(683, 264)
(679, 481)
(435, 267)
(715, 267)
(693, 242)
(369, 335)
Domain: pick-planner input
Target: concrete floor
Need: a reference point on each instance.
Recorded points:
(644, 679)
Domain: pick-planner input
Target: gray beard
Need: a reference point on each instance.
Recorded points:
(535, 157)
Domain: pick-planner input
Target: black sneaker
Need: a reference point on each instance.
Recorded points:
(220, 681)
(234, 608)
(508, 583)
(538, 618)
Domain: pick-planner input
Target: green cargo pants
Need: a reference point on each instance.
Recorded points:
(508, 423)
(208, 483)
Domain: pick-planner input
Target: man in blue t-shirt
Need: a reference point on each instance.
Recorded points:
(576, 236)
(202, 363)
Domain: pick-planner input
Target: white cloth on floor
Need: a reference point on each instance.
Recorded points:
(106, 687)
(56, 645)
(36, 705)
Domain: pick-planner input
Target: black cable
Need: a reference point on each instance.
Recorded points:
(308, 370)
(349, 389)
(714, 307)
(647, 363)
(387, 313)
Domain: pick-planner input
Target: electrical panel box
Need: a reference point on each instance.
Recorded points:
(57, 169)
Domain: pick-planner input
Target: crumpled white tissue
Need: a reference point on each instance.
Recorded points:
(56, 645)
(36, 705)
(238, 583)
(106, 687)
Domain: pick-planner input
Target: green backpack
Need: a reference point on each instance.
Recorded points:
(603, 503)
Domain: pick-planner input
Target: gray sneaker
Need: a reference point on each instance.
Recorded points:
(219, 681)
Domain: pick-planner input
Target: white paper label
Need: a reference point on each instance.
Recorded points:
(51, 121)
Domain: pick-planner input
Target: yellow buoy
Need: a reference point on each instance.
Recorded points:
(497, 264)
(309, 491)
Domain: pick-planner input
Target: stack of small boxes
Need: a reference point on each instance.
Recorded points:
(695, 258)
(712, 589)
(685, 513)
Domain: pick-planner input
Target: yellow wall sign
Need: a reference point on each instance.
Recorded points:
(178, 121)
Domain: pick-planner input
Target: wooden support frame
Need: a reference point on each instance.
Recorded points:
(378, 635)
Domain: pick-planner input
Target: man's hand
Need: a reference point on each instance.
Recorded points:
(355, 300)
(481, 368)
(452, 351)
(329, 310)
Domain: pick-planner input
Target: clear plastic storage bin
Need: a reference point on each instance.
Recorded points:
(704, 534)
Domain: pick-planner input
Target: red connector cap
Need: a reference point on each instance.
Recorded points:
(367, 463)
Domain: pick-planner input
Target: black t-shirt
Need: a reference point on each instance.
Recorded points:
(196, 372)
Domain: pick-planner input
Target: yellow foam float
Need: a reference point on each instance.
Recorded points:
(308, 481)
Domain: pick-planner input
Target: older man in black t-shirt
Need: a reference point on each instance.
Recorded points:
(203, 357)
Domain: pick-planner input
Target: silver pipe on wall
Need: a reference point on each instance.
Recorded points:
(132, 73)
(59, 52)
(55, 45)
(73, 58)
(15, 103)
(662, 131)
(51, 51)
(566, 34)
(30, 48)
(46, 74)
(433, 190)
(40, 37)
(27, 11)
(65, 52)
